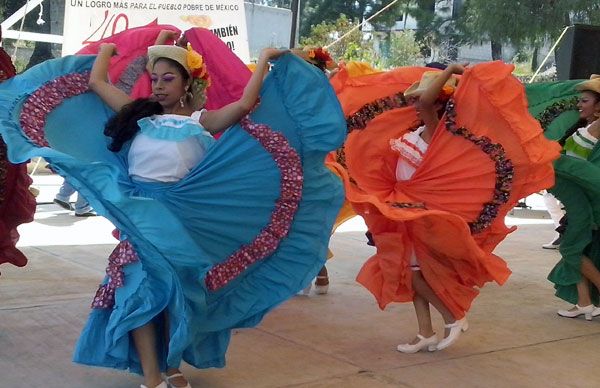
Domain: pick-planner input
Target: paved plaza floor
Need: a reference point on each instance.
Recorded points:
(340, 339)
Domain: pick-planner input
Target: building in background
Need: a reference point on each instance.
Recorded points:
(267, 27)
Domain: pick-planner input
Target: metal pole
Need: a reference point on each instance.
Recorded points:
(295, 11)
(359, 25)
(548, 55)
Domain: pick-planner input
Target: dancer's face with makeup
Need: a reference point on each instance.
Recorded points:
(169, 83)
(589, 106)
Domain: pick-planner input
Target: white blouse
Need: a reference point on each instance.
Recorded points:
(154, 157)
(411, 148)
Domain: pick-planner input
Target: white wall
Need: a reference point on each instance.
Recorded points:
(267, 27)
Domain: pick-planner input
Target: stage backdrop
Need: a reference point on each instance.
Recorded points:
(88, 21)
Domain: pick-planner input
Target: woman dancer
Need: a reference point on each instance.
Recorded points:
(187, 270)
(576, 276)
(178, 82)
(17, 203)
(434, 198)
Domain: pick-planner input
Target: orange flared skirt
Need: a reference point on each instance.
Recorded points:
(485, 155)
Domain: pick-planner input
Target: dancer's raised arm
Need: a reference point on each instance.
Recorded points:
(99, 83)
(221, 119)
(166, 37)
(428, 104)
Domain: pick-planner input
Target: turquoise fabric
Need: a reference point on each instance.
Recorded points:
(180, 230)
(173, 127)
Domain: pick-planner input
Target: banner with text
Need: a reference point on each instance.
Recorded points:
(87, 21)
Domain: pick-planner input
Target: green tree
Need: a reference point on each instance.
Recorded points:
(351, 47)
(523, 24)
(314, 12)
(404, 51)
(435, 27)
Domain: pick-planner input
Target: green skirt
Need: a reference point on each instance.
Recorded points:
(578, 188)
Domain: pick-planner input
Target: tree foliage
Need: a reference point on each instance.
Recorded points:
(393, 50)
(314, 12)
(523, 23)
(351, 47)
(403, 51)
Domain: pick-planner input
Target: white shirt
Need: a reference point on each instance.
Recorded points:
(159, 160)
(411, 148)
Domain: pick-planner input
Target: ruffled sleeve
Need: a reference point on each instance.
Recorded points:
(170, 127)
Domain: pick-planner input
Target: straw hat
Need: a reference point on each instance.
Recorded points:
(593, 84)
(176, 53)
(191, 61)
(427, 78)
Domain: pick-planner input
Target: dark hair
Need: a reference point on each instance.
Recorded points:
(319, 65)
(436, 65)
(123, 126)
(580, 123)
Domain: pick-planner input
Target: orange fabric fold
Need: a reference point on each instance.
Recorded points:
(439, 212)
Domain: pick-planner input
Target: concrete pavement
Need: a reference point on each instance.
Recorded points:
(336, 340)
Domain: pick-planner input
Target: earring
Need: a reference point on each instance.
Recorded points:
(182, 101)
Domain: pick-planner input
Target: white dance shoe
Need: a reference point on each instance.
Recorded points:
(171, 385)
(305, 291)
(161, 385)
(456, 329)
(587, 311)
(424, 343)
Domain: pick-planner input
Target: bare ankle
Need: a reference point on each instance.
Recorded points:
(153, 381)
(427, 332)
(172, 371)
(175, 378)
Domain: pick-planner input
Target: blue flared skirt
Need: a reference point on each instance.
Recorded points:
(242, 232)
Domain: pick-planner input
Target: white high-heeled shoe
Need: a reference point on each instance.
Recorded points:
(423, 343)
(305, 291)
(456, 328)
(161, 385)
(177, 375)
(587, 311)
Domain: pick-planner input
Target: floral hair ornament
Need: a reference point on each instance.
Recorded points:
(319, 57)
(196, 65)
(322, 58)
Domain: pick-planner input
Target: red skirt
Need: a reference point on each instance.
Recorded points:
(17, 206)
